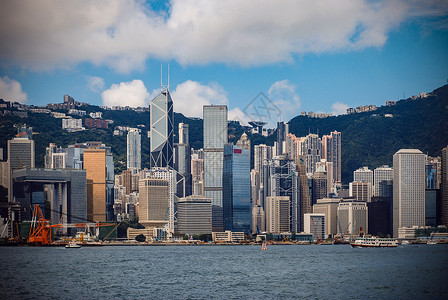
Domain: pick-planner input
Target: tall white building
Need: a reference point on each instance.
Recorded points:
(409, 189)
(383, 173)
(134, 159)
(215, 136)
(183, 133)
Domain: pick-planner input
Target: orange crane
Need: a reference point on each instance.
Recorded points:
(40, 231)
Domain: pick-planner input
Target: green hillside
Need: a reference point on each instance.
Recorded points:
(368, 139)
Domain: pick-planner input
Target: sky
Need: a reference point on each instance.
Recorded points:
(266, 60)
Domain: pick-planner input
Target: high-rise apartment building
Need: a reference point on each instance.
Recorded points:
(331, 152)
(319, 180)
(134, 159)
(409, 189)
(162, 130)
(310, 149)
(215, 137)
(237, 207)
(183, 134)
(277, 214)
(327, 166)
(383, 173)
(444, 186)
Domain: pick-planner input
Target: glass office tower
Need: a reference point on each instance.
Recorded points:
(236, 189)
(215, 136)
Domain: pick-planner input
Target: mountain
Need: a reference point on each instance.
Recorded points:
(371, 139)
(368, 138)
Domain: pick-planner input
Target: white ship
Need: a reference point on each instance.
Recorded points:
(374, 242)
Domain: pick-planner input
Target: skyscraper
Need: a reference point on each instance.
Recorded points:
(20, 153)
(383, 173)
(409, 189)
(361, 191)
(161, 130)
(277, 214)
(364, 175)
(182, 162)
(183, 134)
(282, 179)
(319, 180)
(310, 148)
(215, 136)
(154, 202)
(331, 151)
(134, 160)
(193, 215)
(170, 177)
(282, 132)
(237, 206)
(95, 166)
(444, 186)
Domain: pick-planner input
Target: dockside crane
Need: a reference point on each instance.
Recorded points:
(40, 231)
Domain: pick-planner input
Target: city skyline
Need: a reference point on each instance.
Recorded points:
(344, 55)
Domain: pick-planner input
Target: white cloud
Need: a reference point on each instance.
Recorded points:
(95, 84)
(132, 93)
(339, 108)
(236, 114)
(11, 90)
(123, 34)
(283, 95)
(190, 96)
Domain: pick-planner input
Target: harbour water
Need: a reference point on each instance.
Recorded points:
(224, 272)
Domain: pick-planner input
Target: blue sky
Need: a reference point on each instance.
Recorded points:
(320, 56)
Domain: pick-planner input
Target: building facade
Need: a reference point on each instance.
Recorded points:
(353, 215)
(215, 137)
(444, 186)
(315, 224)
(161, 130)
(133, 149)
(409, 189)
(237, 207)
(277, 214)
(193, 215)
(331, 152)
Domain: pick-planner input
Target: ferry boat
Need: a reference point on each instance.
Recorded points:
(374, 242)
